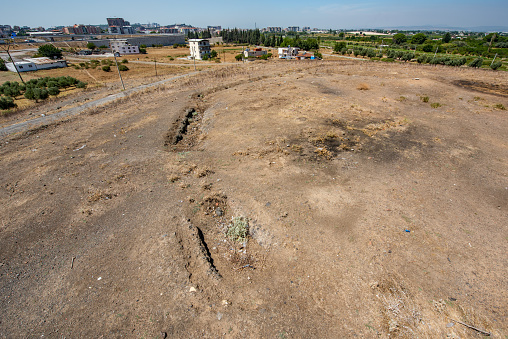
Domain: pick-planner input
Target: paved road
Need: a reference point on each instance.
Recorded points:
(44, 120)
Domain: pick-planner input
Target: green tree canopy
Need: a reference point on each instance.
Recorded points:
(418, 38)
(447, 37)
(399, 38)
(91, 46)
(50, 51)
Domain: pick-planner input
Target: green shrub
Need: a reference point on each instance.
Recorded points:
(6, 103)
(435, 105)
(53, 91)
(2, 65)
(238, 57)
(123, 68)
(424, 98)
(81, 84)
(106, 68)
(476, 63)
(387, 60)
(496, 65)
(238, 229)
(29, 93)
(500, 106)
(142, 50)
(125, 61)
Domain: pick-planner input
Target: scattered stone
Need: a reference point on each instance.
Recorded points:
(218, 212)
(268, 204)
(450, 324)
(219, 316)
(192, 289)
(225, 302)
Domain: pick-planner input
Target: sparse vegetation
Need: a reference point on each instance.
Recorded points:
(435, 105)
(500, 106)
(123, 68)
(424, 98)
(363, 87)
(106, 68)
(238, 229)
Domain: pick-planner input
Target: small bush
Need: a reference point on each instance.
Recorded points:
(363, 87)
(123, 68)
(6, 103)
(106, 68)
(142, 50)
(435, 105)
(500, 106)
(424, 98)
(496, 65)
(125, 61)
(81, 84)
(476, 63)
(387, 60)
(53, 91)
(238, 229)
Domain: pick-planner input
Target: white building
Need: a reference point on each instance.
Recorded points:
(121, 46)
(288, 52)
(22, 66)
(199, 48)
(253, 53)
(45, 63)
(35, 64)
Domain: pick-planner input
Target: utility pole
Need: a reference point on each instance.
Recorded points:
(493, 59)
(155, 63)
(490, 44)
(118, 69)
(13, 63)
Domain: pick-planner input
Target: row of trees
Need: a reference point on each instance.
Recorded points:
(35, 89)
(255, 37)
(405, 56)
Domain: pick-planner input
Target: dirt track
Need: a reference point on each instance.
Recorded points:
(371, 213)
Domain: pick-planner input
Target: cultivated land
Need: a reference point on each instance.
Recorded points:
(371, 213)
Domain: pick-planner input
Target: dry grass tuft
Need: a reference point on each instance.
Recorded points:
(363, 87)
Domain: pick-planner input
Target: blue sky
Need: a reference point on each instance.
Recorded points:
(263, 13)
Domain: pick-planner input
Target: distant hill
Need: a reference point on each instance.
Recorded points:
(449, 28)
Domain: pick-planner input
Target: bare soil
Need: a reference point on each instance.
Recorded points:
(371, 214)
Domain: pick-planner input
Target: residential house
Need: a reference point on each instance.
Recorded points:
(254, 53)
(199, 48)
(288, 52)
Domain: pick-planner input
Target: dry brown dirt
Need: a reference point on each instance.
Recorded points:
(371, 213)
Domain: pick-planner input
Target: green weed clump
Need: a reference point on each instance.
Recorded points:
(238, 229)
(500, 106)
(435, 105)
(424, 98)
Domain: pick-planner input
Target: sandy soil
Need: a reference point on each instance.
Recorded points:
(371, 213)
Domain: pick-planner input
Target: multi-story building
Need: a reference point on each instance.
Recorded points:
(121, 46)
(273, 29)
(81, 29)
(293, 29)
(119, 26)
(199, 48)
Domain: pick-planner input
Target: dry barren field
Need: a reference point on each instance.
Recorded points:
(265, 200)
